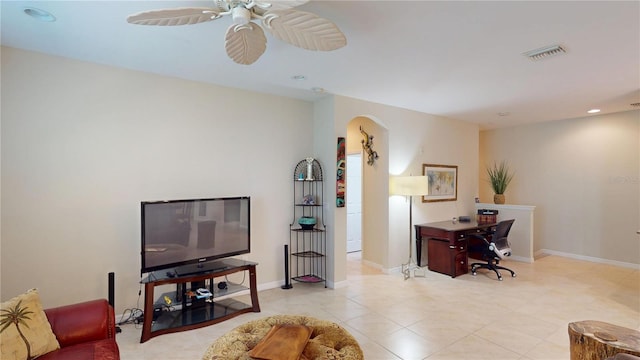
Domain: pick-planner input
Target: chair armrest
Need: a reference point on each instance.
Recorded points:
(82, 322)
(502, 243)
(501, 247)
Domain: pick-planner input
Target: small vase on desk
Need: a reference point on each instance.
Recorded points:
(498, 199)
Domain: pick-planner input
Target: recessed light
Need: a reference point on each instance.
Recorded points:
(318, 90)
(593, 111)
(39, 14)
(299, 77)
(504, 113)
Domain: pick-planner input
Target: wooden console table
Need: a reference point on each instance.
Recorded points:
(186, 311)
(446, 245)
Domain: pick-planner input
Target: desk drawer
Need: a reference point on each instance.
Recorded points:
(475, 231)
(439, 256)
(464, 235)
(434, 233)
(461, 265)
(460, 246)
(446, 258)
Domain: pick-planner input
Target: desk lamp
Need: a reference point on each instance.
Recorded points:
(409, 186)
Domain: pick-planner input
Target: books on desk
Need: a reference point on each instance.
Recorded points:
(487, 216)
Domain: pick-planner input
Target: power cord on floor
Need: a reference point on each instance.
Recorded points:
(131, 316)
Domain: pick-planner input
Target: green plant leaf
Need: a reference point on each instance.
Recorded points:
(500, 176)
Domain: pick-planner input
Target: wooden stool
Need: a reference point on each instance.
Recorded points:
(597, 340)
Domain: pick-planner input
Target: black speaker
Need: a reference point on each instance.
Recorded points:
(287, 282)
(112, 291)
(112, 295)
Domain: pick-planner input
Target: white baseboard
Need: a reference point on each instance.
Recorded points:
(393, 270)
(389, 271)
(543, 252)
(521, 259)
(372, 264)
(337, 285)
(267, 286)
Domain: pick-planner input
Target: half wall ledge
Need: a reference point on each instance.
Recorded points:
(521, 235)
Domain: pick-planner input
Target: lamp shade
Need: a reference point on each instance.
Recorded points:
(409, 185)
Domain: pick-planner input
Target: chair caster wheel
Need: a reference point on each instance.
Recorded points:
(500, 278)
(513, 275)
(474, 273)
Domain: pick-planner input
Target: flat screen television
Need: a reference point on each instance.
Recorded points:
(187, 235)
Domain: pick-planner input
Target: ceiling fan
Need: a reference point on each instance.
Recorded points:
(245, 41)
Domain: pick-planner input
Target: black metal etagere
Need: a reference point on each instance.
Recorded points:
(307, 239)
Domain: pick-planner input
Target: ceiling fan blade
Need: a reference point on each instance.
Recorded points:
(305, 30)
(261, 8)
(286, 4)
(245, 43)
(172, 17)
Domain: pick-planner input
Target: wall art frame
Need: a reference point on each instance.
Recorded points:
(341, 165)
(442, 182)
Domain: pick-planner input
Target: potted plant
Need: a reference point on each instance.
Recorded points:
(500, 177)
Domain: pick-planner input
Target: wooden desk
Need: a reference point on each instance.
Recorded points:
(446, 245)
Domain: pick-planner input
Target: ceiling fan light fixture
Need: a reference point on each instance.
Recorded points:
(241, 15)
(545, 52)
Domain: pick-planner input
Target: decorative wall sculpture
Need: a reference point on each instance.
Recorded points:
(367, 146)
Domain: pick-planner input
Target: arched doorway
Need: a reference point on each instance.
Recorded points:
(374, 185)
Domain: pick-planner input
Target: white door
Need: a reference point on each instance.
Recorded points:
(354, 202)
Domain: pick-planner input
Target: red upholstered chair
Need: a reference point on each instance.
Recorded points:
(85, 330)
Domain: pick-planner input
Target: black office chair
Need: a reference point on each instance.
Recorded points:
(494, 247)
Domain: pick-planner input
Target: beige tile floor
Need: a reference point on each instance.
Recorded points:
(436, 317)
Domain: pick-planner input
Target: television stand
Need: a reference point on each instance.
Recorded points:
(187, 311)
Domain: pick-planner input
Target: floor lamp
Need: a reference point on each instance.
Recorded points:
(409, 186)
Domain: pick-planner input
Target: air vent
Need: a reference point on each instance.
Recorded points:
(545, 52)
(636, 104)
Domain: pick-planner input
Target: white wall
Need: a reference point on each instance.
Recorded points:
(582, 176)
(83, 144)
(325, 149)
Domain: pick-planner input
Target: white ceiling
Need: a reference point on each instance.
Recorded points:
(459, 59)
